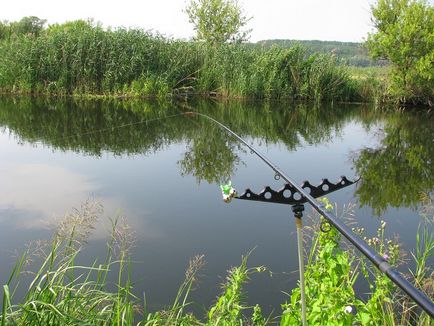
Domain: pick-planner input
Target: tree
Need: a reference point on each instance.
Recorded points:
(217, 21)
(29, 25)
(405, 37)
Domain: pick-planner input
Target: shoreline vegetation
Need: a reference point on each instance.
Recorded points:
(62, 292)
(83, 59)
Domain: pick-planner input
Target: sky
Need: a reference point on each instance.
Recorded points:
(339, 20)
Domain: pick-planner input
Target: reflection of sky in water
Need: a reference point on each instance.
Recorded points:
(38, 186)
(43, 189)
(174, 217)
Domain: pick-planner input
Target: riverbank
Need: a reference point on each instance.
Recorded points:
(63, 292)
(82, 59)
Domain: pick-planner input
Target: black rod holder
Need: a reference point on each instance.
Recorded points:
(417, 295)
(288, 194)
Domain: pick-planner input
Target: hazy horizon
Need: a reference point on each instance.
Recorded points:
(334, 20)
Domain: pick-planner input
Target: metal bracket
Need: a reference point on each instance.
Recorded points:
(290, 196)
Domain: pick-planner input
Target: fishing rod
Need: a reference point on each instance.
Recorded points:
(380, 262)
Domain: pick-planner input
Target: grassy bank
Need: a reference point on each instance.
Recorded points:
(83, 59)
(61, 292)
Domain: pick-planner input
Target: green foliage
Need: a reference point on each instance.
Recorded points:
(241, 71)
(30, 25)
(61, 292)
(405, 36)
(217, 21)
(329, 279)
(64, 293)
(4, 30)
(371, 83)
(228, 309)
(379, 307)
(80, 58)
(326, 79)
(83, 59)
(333, 269)
(351, 53)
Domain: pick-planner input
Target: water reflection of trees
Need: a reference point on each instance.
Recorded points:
(87, 127)
(92, 127)
(210, 155)
(393, 173)
(401, 167)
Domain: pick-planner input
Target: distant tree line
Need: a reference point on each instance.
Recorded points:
(29, 25)
(351, 53)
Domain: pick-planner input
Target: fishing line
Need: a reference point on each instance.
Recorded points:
(380, 262)
(95, 131)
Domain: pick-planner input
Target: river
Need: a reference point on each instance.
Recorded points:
(162, 170)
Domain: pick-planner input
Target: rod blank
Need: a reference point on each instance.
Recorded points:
(395, 276)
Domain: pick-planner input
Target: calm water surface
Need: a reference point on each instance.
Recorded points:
(164, 176)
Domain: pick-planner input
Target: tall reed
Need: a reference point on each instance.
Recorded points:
(82, 58)
(62, 292)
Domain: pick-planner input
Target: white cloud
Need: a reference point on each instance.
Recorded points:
(41, 187)
(42, 193)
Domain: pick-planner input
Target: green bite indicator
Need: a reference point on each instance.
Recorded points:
(228, 192)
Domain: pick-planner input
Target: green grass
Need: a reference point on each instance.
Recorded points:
(82, 59)
(334, 267)
(371, 83)
(61, 292)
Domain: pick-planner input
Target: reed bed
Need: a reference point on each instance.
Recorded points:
(81, 58)
(62, 292)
